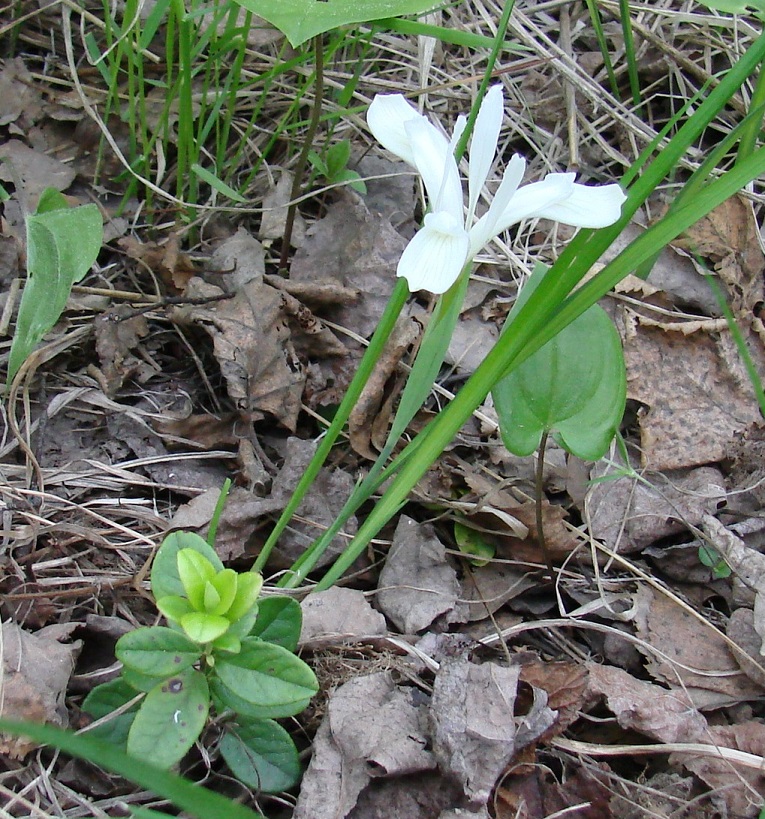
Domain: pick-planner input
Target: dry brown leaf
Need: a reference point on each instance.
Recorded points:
(741, 630)
(165, 259)
(696, 658)
(680, 378)
(252, 343)
(417, 583)
(339, 612)
(33, 170)
(358, 250)
(19, 97)
(366, 418)
(275, 206)
(372, 729)
(118, 333)
(741, 789)
(35, 675)
(666, 716)
(629, 514)
(748, 564)
(565, 685)
(484, 589)
(475, 733)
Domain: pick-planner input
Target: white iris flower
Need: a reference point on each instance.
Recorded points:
(450, 238)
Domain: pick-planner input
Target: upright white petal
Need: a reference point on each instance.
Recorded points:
(434, 258)
(435, 164)
(483, 145)
(485, 229)
(587, 207)
(386, 118)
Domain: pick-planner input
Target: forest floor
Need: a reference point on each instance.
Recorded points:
(634, 685)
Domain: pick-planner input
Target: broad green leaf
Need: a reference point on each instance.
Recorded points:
(104, 699)
(227, 642)
(261, 754)
(157, 651)
(204, 628)
(188, 796)
(574, 386)
(62, 245)
(243, 626)
(248, 586)
(279, 621)
(165, 580)
(170, 719)
(139, 681)
(266, 674)
(337, 158)
(225, 698)
(139, 812)
(300, 20)
(471, 543)
(195, 571)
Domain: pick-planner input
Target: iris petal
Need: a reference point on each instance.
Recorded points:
(386, 118)
(434, 258)
(485, 229)
(435, 164)
(483, 146)
(587, 207)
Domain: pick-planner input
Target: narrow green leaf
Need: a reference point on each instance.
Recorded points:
(165, 579)
(279, 621)
(188, 796)
(266, 674)
(170, 719)
(300, 20)
(261, 754)
(217, 184)
(62, 245)
(157, 651)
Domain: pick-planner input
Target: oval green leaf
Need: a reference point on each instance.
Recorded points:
(266, 674)
(279, 621)
(261, 754)
(225, 698)
(204, 628)
(104, 699)
(157, 651)
(574, 386)
(170, 719)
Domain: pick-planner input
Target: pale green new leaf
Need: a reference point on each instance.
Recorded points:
(62, 245)
(165, 580)
(300, 20)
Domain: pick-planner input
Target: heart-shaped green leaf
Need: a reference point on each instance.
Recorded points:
(170, 719)
(266, 674)
(261, 754)
(157, 651)
(300, 20)
(574, 386)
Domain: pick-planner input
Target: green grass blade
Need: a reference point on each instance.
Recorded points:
(189, 796)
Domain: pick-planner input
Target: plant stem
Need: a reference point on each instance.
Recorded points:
(539, 493)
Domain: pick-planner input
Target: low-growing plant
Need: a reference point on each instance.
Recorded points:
(226, 658)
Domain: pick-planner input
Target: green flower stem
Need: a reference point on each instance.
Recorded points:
(366, 366)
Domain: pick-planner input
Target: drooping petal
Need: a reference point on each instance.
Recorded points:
(434, 258)
(386, 118)
(531, 200)
(483, 145)
(587, 206)
(435, 164)
(485, 229)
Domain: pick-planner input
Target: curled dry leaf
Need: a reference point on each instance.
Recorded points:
(417, 583)
(35, 674)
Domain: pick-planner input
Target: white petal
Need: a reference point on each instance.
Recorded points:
(588, 207)
(435, 163)
(485, 229)
(436, 255)
(533, 200)
(386, 119)
(483, 145)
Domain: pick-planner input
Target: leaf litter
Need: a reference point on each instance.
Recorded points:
(450, 689)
